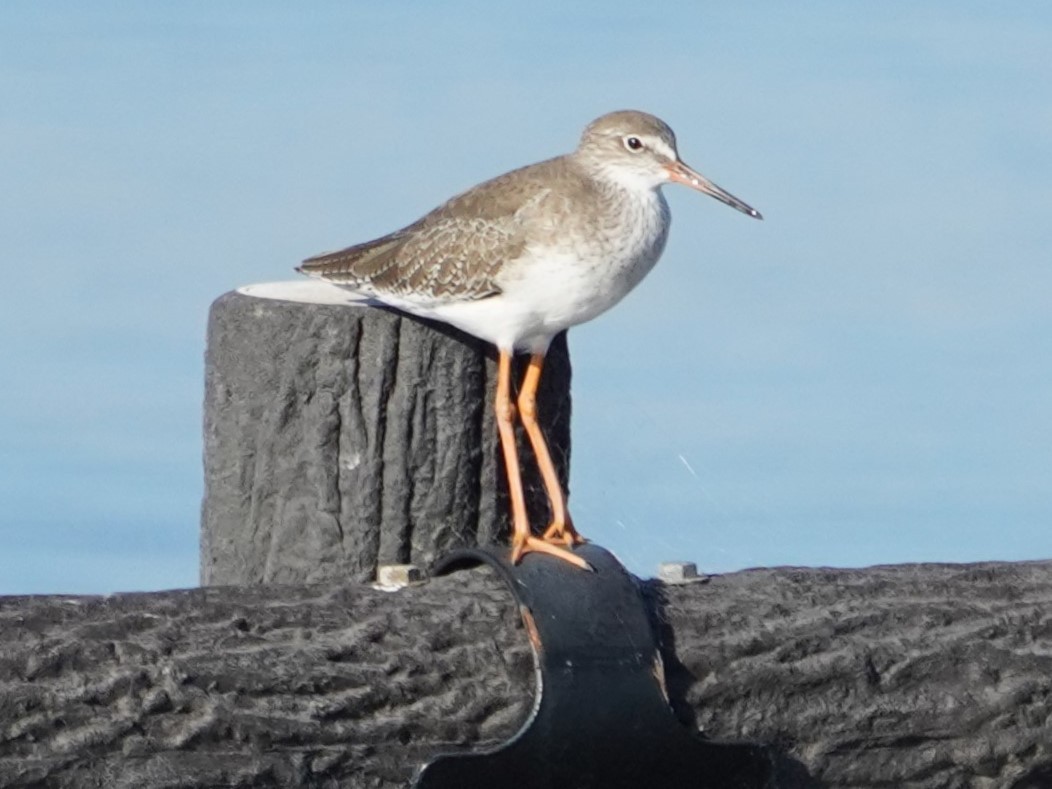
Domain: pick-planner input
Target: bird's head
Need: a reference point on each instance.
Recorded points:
(637, 150)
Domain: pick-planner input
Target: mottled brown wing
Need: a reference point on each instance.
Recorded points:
(436, 263)
(452, 254)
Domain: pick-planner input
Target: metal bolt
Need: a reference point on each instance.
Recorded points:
(396, 576)
(679, 573)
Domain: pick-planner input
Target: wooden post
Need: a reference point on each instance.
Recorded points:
(340, 436)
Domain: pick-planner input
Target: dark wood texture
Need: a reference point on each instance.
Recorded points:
(338, 438)
(926, 676)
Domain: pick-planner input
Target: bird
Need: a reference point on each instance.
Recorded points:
(517, 259)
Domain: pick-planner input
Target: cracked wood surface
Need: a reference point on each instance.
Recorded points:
(908, 676)
(264, 686)
(340, 438)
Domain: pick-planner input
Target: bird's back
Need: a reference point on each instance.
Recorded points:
(456, 251)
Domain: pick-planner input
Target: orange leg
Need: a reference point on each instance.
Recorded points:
(522, 542)
(561, 528)
(505, 427)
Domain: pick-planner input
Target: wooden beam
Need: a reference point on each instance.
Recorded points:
(913, 675)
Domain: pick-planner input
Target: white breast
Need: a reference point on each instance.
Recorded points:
(569, 275)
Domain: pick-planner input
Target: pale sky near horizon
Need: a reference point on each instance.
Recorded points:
(865, 377)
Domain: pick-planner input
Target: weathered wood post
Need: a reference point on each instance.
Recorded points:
(340, 436)
(921, 676)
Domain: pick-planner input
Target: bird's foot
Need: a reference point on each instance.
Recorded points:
(533, 544)
(564, 533)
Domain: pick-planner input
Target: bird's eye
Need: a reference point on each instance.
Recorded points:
(633, 143)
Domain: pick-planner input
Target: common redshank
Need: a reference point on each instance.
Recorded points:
(518, 259)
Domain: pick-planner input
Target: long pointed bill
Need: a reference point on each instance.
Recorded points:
(681, 174)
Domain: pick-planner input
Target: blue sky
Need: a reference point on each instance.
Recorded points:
(865, 377)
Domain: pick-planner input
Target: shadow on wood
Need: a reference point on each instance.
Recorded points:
(601, 719)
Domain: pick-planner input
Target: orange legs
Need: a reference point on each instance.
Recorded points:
(561, 529)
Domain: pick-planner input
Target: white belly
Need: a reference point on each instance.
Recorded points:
(570, 277)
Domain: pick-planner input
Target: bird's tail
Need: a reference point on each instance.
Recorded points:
(357, 265)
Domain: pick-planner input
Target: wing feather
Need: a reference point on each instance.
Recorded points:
(454, 253)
